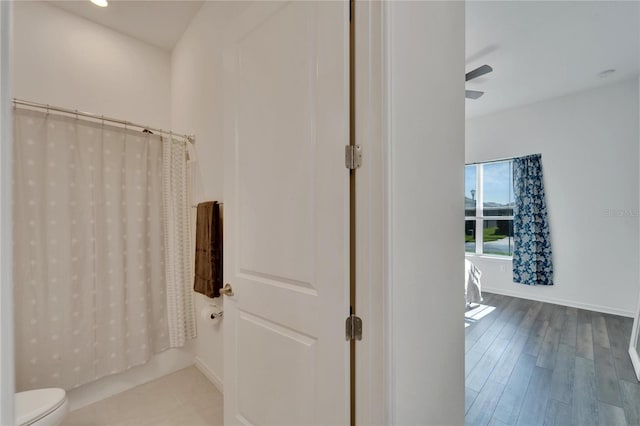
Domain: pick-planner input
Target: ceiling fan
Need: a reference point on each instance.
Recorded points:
(480, 71)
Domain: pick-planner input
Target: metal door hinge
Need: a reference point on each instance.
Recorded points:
(353, 156)
(353, 328)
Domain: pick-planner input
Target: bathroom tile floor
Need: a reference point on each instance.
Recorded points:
(183, 398)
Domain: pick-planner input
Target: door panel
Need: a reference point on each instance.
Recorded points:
(294, 390)
(276, 114)
(286, 215)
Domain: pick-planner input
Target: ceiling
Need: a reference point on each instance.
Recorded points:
(160, 23)
(538, 49)
(545, 49)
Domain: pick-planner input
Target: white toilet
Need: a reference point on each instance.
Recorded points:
(41, 407)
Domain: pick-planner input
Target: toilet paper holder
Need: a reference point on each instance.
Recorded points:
(212, 313)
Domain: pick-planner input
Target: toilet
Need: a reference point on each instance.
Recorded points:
(41, 407)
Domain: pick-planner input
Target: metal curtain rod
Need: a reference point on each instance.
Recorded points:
(189, 138)
(497, 160)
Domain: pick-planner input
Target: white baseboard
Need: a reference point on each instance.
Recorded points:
(635, 360)
(209, 374)
(596, 308)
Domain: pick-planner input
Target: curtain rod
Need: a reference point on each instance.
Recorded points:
(491, 161)
(189, 138)
(500, 159)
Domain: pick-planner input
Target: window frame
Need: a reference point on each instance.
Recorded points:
(480, 218)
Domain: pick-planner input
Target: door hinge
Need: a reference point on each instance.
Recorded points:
(353, 328)
(353, 156)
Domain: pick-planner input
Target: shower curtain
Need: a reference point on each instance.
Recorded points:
(90, 249)
(178, 261)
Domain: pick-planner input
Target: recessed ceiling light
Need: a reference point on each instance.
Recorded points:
(606, 73)
(101, 3)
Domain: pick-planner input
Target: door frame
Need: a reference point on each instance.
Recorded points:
(7, 379)
(374, 353)
(377, 202)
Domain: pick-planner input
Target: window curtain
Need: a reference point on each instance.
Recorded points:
(92, 276)
(532, 262)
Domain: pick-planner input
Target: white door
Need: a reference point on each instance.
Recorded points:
(286, 361)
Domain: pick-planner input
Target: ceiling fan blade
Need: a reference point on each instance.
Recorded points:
(472, 94)
(485, 69)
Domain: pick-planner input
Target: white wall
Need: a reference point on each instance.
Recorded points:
(61, 59)
(426, 137)
(589, 147)
(197, 105)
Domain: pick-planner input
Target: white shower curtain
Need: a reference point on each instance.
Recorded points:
(90, 254)
(177, 223)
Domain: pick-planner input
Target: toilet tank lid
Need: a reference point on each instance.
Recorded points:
(34, 404)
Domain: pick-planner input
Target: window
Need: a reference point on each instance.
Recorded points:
(488, 206)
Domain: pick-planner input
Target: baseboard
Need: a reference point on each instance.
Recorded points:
(635, 360)
(209, 374)
(596, 308)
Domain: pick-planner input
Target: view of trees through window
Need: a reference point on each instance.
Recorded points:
(488, 201)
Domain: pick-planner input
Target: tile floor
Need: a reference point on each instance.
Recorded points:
(184, 398)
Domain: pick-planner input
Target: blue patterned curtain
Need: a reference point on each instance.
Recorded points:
(532, 264)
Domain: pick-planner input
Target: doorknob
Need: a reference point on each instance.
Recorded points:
(227, 290)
